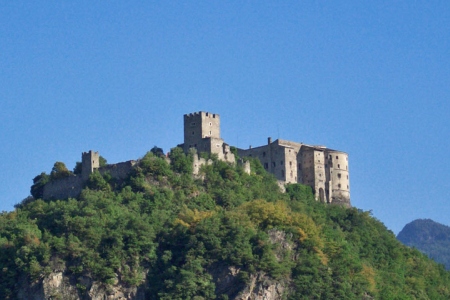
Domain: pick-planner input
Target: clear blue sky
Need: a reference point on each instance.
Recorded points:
(371, 78)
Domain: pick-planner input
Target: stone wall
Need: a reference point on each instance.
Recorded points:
(118, 171)
(63, 188)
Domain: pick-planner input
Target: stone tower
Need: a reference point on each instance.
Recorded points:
(90, 161)
(200, 125)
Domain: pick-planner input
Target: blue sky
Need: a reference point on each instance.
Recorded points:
(368, 78)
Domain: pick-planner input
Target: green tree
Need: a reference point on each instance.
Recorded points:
(37, 189)
(59, 170)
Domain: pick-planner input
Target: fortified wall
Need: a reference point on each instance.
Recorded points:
(71, 187)
(323, 169)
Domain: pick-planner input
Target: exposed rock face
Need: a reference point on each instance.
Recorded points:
(261, 287)
(228, 280)
(60, 286)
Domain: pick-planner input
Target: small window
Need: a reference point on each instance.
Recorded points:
(193, 132)
(299, 166)
(193, 124)
(266, 165)
(273, 164)
(347, 187)
(290, 163)
(339, 166)
(339, 185)
(210, 133)
(337, 157)
(264, 154)
(210, 124)
(339, 175)
(207, 114)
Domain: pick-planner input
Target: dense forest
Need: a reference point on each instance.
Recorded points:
(168, 231)
(430, 237)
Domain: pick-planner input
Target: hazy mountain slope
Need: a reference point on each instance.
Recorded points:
(430, 237)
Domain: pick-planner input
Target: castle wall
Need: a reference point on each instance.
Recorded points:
(118, 171)
(63, 188)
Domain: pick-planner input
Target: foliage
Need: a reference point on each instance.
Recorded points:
(37, 189)
(173, 229)
(59, 170)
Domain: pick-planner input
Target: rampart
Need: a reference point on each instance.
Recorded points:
(71, 187)
(323, 169)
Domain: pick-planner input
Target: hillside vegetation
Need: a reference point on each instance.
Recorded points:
(168, 231)
(430, 237)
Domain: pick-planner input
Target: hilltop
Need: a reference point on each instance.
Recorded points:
(164, 233)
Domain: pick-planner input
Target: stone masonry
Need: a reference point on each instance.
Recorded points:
(323, 169)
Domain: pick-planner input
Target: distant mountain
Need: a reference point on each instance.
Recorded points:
(430, 237)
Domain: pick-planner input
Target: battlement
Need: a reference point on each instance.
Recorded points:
(201, 113)
(323, 169)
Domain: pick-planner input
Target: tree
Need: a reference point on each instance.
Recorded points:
(102, 161)
(37, 189)
(78, 167)
(59, 170)
(157, 151)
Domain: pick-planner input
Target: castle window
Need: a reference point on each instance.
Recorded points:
(337, 157)
(290, 163)
(266, 165)
(207, 114)
(264, 154)
(193, 124)
(339, 185)
(210, 132)
(339, 166)
(210, 124)
(339, 175)
(299, 166)
(347, 186)
(273, 164)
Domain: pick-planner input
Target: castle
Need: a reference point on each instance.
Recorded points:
(324, 170)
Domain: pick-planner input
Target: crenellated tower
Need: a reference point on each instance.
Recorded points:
(90, 161)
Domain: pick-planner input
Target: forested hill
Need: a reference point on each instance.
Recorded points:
(430, 237)
(163, 234)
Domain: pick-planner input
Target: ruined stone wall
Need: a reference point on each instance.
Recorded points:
(63, 188)
(118, 171)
